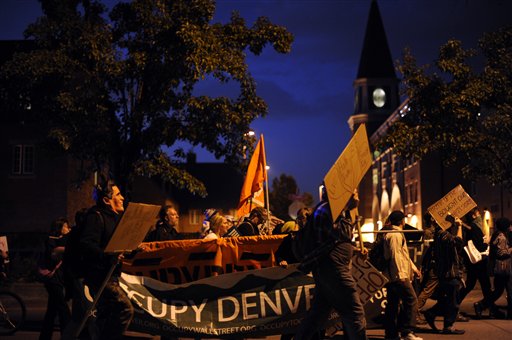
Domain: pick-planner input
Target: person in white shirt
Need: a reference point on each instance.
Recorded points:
(400, 272)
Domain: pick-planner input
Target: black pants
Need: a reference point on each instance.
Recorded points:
(478, 271)
(400, 291)
(56, 306)
(448, 301)
(335, 289)
(115, 312)
(503, 283)
(428, 288)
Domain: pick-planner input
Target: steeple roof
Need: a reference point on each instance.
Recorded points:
(376, 61)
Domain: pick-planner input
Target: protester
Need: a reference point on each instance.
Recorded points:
(249, 226)
(448, 268)
(75, 289)
(114, 309)
(501, 260)
(215, 225)
(429, 281)
(165, 228)
(52, 275)
(476, 271)
(335, 287)
(284, 254)
(400, 272)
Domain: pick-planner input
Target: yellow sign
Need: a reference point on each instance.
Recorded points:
(346, 173)
(457, 203)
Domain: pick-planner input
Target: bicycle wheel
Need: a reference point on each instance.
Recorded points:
(12, 313)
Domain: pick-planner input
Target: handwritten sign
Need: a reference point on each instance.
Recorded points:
(457, 203)
(133, 227)
(346, 173)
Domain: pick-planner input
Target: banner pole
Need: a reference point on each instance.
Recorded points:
(268, 201)
(97, 296)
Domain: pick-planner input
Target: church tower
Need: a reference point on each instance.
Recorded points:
(376, 95)
(376, 86)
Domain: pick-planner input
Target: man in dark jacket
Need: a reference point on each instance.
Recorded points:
(115, 310)
(165, 228)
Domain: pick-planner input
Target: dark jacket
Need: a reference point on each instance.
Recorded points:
(447, 250)
(246, 228)
(162, 232)
(52, 259)
(99, 226)
(285, 250)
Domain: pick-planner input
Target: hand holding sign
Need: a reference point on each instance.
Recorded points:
(454, 204)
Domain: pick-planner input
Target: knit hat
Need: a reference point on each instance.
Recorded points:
(209, 213)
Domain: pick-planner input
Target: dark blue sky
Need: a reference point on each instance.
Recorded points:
(309, 91)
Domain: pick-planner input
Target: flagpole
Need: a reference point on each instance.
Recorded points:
(268, 202)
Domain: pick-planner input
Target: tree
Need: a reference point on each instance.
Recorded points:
(284, 192)
(117, 91)
(463, 113)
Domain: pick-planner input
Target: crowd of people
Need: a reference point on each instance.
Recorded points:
(447, 274)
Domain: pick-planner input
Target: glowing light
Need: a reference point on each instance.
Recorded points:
(368, 226)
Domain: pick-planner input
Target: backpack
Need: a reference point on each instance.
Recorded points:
(73, 259)
(376, 253)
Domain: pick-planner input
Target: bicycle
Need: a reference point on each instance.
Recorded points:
(12, 312)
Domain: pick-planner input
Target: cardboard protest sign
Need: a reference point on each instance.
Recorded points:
(346, 173)
(133, 227)
(457, 203)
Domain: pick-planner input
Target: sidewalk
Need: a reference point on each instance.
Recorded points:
(34, 295)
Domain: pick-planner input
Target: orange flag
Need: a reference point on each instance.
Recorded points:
(252, 191)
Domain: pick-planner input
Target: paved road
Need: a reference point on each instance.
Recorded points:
(34, 296)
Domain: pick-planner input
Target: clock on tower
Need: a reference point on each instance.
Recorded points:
(379, 97)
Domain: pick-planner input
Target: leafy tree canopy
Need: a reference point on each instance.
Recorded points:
(117, 90)
(462, 111)
(284, 192)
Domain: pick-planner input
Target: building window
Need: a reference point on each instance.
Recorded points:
(23, 160)
(194, 217)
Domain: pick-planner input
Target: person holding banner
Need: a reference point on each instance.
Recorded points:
(114, 309)
(249, 227)
(165, 228)
(215, 225)
(335, 287)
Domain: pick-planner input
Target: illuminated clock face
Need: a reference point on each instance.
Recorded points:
(379, 97)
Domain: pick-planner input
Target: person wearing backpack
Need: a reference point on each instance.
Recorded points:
(400, 292)
(335, 287)
(114, 308)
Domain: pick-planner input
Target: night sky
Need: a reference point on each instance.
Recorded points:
(309, 91)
